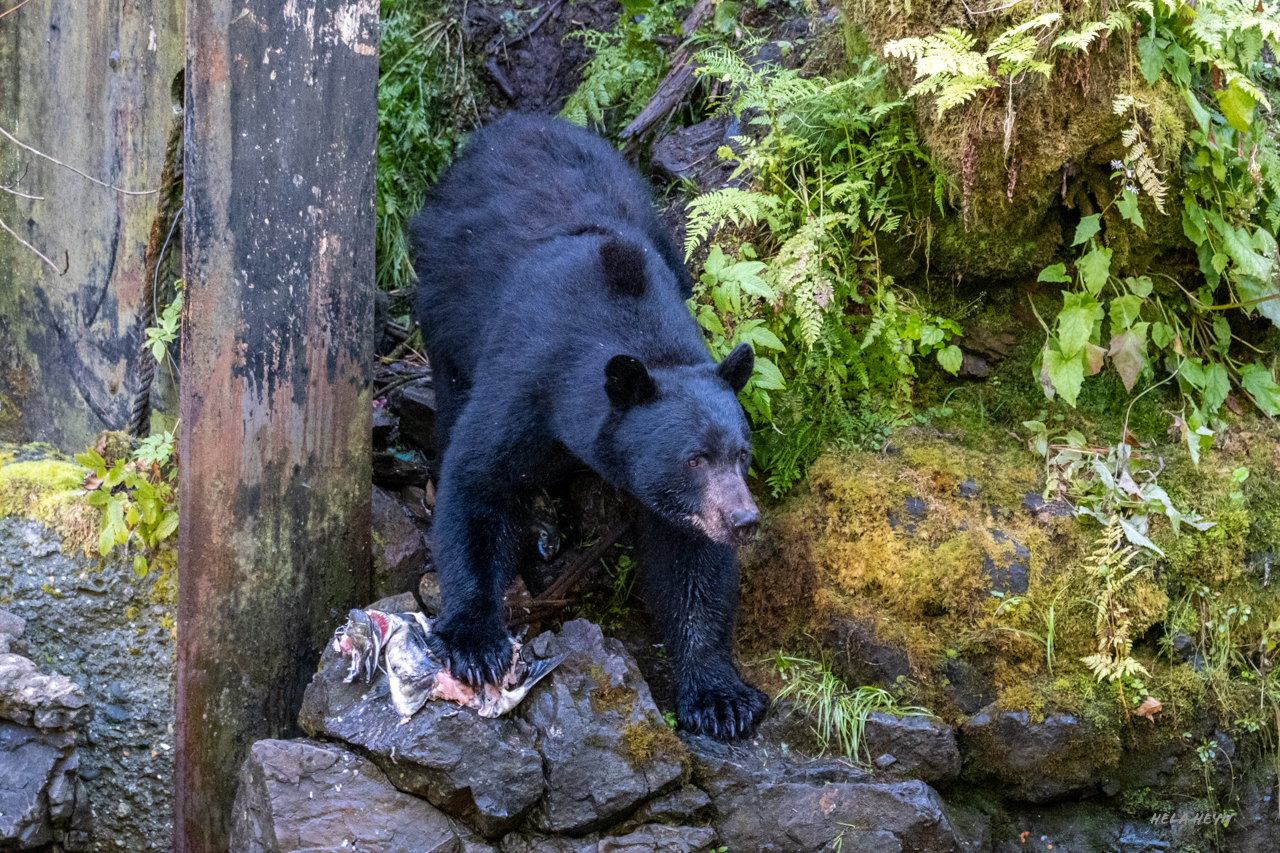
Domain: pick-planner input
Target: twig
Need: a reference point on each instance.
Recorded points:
(18, 142)
(24, 195)
(15, 8)
(28, 245)
(571, 576)
(541, 20)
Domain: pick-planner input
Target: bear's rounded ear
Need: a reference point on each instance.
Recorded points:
(627, 382)
(737, 366)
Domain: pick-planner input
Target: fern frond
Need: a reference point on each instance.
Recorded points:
(1003, 42)
(707, 212)
(1073, 40)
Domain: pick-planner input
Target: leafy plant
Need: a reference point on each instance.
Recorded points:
(425, 105)
(168, 324)
(1114, 565)
(837, 713)
(1048, 619)
(833, 166)
(625, 68)
(136, 497)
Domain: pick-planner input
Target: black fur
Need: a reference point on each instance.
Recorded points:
(552, 307)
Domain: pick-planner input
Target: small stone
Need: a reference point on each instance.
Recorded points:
(885, 760)
(12, 624)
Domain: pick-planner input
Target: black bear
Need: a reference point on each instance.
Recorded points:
(552, 305)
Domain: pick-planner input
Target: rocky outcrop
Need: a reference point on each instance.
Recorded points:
(1037, 762)
(765, 802)
(917, 747)
(42, 800)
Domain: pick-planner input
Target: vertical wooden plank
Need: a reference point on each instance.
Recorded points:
(275, 397)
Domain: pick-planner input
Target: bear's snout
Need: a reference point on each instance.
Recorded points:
(744, 521)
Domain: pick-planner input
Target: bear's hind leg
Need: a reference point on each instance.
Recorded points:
(691, 586)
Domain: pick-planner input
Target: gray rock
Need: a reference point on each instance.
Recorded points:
(429, 592)
(1046, 510)
(306, 795)
(12, 624)
(605, 746)
(1009, 572)
(660, 839)
(684, 805)
(530, 843)
(399, 552)
(1036, 762)
(968, 687)
(969, 489)
(914, 510)
(486, 772)
(765, 802)
(38, 788)
(922, 747)
(49, 702)
(1256, 826)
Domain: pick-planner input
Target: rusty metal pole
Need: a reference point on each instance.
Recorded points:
(281, 128)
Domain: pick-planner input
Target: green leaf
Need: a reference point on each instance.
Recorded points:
(1151, 58)
(1257, 381)
(1193, 224)
(1237, 106)
(1080, 312)
(140, 566)
(1129, 353)
(1125, 310)
(1140, 286)
(1057, 272)
(1135, 536)
(1161, 334)
(1093, 358)
(1127, 204)
(762, 337)
(1095, 268)
(1251, 290)
(106, 540)
(170, 521)
(1217, 386)
(767, 375)
(1066, 374)
(1089, 225)
(950, 358)
(1201, 114)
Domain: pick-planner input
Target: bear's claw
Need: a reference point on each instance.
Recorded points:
(476, 654)
(725, 712)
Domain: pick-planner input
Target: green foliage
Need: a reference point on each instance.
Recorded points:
(1108, 484)
(837, 713)
(1114, 565)
(136, 498)
(1209, 53)
(625, 67)
(165, 332)
(835, 164)
(425, 106)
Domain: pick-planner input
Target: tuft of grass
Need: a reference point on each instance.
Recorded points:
(837, 713)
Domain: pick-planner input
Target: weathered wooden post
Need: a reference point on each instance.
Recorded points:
(275, 398)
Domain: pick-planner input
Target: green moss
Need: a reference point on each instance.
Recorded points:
(647, 742)
(50, 491)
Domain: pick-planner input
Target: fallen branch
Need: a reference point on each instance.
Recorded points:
(679, 81)
(34, 249)
(12, 191)
(19, 142)
(15, 8)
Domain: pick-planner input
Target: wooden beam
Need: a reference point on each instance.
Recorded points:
(281, 128)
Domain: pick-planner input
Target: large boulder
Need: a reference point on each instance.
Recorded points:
(765, 802)
(277, 809)
(605, 745)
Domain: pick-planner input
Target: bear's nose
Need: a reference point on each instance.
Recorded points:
(745, 522)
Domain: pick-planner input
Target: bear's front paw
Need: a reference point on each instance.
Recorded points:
(725, 709)
(477, 651)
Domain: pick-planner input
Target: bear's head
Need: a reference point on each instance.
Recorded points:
(681, 442)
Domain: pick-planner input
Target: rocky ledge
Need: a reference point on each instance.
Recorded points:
(586, 763)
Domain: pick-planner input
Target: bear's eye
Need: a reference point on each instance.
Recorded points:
(744, 456)
(695, 461)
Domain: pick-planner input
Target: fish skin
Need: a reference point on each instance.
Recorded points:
(397, 643)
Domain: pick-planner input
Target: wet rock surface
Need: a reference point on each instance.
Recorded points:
(605, 746)
(921, 747)
(306, 795)
(110, 634)
(764, 801)
(1036, 761)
